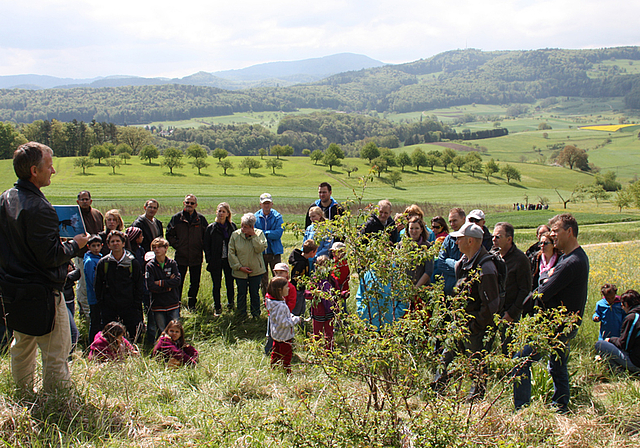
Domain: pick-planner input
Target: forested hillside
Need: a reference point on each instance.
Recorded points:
(448, 79)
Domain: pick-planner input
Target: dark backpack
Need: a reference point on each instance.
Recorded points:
(501, 268)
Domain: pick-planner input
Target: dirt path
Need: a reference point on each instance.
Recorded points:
(608, 244)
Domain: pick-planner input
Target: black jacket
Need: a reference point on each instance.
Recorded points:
(518, 283)
(186, 237)
(119, 286)
(629, 340)
(214, 241)
(30, 247)
(299, 268)
(374, 225)
(143, 224)
(167, 294)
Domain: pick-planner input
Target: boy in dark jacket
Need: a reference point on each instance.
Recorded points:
(162, 277)
(118, 286)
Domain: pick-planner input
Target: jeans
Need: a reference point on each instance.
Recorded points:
(216, 279)
(162, 318)
(557, 369)
(615, 356)
(253, 285)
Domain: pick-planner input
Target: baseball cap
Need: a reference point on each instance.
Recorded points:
(281, 267)
(469, 229)
(265, 197)
(477, 214)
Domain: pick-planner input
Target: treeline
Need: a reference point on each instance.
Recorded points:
(449, 79)
(315, 131)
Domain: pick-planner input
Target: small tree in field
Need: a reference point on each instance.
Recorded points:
(394, 177)
(403, 160)
(262, 152)
(418, 158)
(219, 153)
(316, 156)
(99, 152)
(274, 164)
(490, 168)
(510, 172)
(113, 163)
(306, 152)
(331, 160)
(199, 164)
(84, 163)
(250, 164)
(225, 165)
(149, 152)
(370, 151)
(172, 159)
(350, 169)
(196, 152)
(124, 151)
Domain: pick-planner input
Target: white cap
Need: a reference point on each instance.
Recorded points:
(477, 214)
(265, 197)
(281, 267)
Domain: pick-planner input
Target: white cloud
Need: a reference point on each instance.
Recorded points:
(81, 38)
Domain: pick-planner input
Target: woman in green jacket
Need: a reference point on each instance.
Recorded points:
(245, 258)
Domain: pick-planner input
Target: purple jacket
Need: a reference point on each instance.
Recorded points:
(101, 351)
(165, 348)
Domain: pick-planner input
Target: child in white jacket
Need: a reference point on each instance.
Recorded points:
(281, 322)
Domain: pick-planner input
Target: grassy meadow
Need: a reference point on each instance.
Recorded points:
(234, 399)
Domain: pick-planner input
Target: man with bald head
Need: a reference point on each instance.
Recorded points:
(185, 233)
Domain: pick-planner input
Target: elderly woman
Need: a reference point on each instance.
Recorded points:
(216, 250)
(245, 258)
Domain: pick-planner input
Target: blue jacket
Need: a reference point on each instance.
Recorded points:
(324, 245)
(90, 263)
(378, 311)
(272, 228)
(445, 264)
(611, 317)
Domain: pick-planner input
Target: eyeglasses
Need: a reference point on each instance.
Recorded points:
(189, 203)
(474, 220)
(436, 227)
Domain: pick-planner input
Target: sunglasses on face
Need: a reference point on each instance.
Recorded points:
(436, 227)
(474, 220)
(189, 203)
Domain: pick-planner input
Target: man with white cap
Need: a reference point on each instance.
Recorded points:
(484, 299)
(270, 222)
(477, 217)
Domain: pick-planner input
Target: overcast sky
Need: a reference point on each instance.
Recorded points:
(85, 39)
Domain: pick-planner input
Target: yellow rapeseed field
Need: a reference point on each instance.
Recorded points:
(607, 127)
(617, 263)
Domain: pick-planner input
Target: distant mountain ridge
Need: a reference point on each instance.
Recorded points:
(458, 77)
(269, 74)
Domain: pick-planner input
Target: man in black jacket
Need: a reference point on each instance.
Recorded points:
(185, 233)
(381, 222)
(31, 254)
(150, 226)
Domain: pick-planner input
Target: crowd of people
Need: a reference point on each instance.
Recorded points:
(123, 275)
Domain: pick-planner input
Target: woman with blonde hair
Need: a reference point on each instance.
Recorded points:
(112, 221)
(216, 251)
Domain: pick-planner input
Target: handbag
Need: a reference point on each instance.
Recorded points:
(28, 308)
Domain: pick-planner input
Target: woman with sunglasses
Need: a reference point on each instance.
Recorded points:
(547, 258)
(440, 228)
